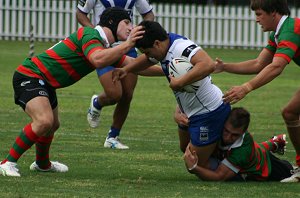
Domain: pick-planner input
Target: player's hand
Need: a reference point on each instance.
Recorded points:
(136, 33)
(175, 84)
(118, 74)
(190, 158)
(236, 94)
(181, 118)
(219, 66)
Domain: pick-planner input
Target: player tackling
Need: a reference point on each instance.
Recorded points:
(35, 82)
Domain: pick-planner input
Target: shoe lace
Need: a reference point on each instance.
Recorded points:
(116, 140)
(94, 114)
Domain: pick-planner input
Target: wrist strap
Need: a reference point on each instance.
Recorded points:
(193, 167)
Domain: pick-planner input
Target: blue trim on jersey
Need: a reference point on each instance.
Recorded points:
(120, 3)
(131, 5)
(207, 128)
(164, 64)
(106, 3)
(173, 37)
(100, 71)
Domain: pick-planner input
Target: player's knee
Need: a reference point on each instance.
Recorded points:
(55, 126)
(291, 119)
(288, 115)
(44, 124)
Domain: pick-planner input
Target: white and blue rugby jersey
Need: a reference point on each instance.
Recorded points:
(98, 6)
(208, 97)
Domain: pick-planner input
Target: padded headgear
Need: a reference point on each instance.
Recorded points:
(111, 18)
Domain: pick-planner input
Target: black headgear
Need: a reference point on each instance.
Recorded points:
(111, 18)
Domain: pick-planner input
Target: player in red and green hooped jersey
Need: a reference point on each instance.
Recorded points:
(283, 46)
(36, 80)
(241, 157)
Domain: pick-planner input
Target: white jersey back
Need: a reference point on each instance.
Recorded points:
(208, 97)
(98, 6)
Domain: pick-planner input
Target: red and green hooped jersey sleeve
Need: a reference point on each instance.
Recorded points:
(67, 61)
(250, 159)
(288, 41)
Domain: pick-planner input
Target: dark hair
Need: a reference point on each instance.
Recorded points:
(153, 31)
(269, 6)
(111, 18)
(239, 117)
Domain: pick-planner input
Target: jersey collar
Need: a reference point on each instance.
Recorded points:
(103, 35)
(283, 18)
(236, 144)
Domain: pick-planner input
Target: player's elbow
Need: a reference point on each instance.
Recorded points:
(211, 68)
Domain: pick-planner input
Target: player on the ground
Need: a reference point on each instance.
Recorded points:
(35, 82)
(239, 157)
(121, 96)
(283, 46)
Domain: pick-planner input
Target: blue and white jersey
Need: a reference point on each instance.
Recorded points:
(208, 97)
(98, 6)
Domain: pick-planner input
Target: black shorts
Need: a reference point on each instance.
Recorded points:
(27, 88)
(281, 169)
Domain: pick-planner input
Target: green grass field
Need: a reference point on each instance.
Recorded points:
(153, 166)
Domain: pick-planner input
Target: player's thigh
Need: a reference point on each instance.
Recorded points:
(184, 137)
(112, 89)
(39, 108)
(129, 84)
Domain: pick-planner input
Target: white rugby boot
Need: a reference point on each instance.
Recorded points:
(55, 167)
(93, 115)
(9, 169)
(115, 143)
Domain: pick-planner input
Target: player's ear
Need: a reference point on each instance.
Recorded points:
(156, 44)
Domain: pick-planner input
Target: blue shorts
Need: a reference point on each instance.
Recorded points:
(100, 71)
(207, 128)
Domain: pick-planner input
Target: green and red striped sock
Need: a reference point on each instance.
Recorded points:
(298, 160)
(42, 147)
(22, 143)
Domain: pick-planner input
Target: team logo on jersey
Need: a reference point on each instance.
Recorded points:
(41, 82)
(43, 93)
(24, 83)
(82, 2)
(188, 50)
(203, 134)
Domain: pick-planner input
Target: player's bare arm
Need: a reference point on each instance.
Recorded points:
(148, 16)
(154, 70)
(132, 65)
(253, 66)
(203, 66)
(83, 19)
(269, 73)
(222, 173)
(104, 57)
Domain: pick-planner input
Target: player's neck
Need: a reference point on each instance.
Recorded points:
(109, 35)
